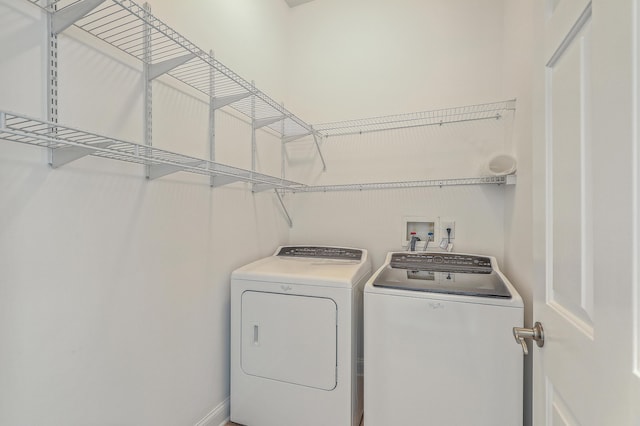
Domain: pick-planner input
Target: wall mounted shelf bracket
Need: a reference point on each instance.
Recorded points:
(259, 123)
(61, 156)
(219, 102)
(160, 68)
(71, 14)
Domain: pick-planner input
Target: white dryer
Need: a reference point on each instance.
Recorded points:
(439, 348)
(295, 324)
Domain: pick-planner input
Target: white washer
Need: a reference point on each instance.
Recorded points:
(295, 318)
(439, 348)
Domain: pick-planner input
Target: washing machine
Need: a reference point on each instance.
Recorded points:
(439, 348)
(296, 337)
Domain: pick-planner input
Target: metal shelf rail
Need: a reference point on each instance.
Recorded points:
(494, 110)
(68, 144)
(497, 180)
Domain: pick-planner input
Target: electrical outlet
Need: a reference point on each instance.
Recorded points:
(444, 224)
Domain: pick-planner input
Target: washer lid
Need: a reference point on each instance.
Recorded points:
(448, 273)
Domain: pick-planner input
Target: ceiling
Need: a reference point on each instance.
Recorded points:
(294, 3)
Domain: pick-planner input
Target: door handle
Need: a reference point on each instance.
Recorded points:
(536, 333)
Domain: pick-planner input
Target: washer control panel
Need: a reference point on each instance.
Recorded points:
(453, 262)
(321, 252)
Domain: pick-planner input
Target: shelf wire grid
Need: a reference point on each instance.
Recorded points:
(27, 130)
(121, 23)
(498, 180)
(493, 110)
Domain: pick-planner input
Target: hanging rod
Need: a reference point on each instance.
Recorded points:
(496, 180)
(122, 24)
(494, 110)
(68, 143)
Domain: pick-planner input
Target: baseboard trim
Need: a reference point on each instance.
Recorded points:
(219, 416)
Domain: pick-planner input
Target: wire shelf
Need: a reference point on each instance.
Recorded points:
(128, 26)
(496, 180)
(23, 129)
(133, 30)
(494, 110)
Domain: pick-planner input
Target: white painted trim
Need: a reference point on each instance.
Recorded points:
(219, 416)
(636, 189)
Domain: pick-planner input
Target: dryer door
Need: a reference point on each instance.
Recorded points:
(289, 338)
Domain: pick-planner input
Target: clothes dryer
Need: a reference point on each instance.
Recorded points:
(439, 348)
(295, 325)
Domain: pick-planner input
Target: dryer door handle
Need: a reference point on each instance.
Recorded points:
(256, 334)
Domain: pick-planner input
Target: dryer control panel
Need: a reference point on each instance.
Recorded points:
(321, 252)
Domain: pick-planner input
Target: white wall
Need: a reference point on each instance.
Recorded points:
(362, 58)
(248, 36)
(114, 291)
(357, 59)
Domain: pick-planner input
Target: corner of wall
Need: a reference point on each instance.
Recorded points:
(219, 416)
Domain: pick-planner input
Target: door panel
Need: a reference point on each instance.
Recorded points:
(561, 414)
(289, 338)
(570, 287)
(586, 207)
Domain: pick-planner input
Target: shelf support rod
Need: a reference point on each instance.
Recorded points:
(253, 128)
(52, 73)
(156, 70)
(315, 139)
(283, 148)
(284, 209)
(148, 85)
(212, 119)
(70, 14)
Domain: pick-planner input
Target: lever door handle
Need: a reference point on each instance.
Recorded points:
(536, 333)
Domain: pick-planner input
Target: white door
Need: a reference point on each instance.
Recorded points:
(586, 214)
